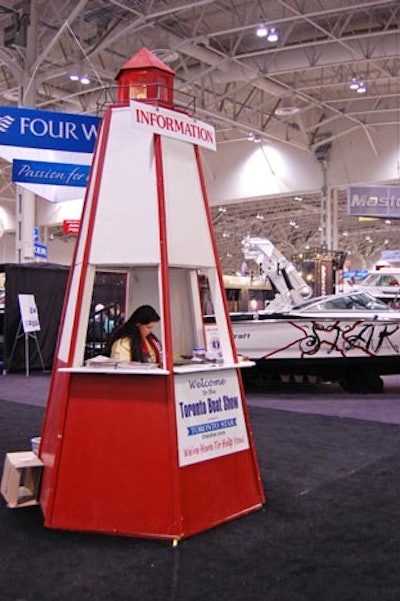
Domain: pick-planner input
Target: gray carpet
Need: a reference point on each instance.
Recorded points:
(328, 532)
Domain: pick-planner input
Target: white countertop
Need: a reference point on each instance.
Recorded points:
(149, 370)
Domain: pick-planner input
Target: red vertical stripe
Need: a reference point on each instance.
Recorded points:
(162, 219)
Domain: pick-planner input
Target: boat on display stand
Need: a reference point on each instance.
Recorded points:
(351, 338)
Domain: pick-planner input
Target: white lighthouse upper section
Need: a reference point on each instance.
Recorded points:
(127, 211)
(127, 207)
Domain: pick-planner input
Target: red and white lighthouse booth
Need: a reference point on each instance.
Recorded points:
(167, 451)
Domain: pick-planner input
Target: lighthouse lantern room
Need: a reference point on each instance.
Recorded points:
(162, 451)
(146, 78)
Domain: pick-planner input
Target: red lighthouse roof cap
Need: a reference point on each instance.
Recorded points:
(145, 59)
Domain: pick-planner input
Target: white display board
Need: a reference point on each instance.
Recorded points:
(29, 313)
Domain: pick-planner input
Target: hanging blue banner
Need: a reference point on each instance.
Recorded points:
(54, 174)
(47, 129)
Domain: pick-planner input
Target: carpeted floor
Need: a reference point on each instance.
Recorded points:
(328, 532)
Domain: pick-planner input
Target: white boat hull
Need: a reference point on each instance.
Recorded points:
(353, 350)
(305, 338)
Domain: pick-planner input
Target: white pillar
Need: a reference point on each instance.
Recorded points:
(25, 222)
(325, 209)
(333, 196)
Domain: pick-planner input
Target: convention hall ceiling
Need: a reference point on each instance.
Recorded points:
(294, 89)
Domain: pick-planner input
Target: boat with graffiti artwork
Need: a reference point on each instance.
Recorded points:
(351, 338)
(353, 346)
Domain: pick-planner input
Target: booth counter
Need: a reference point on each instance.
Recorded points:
(138, 458)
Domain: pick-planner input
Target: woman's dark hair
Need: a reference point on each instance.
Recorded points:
(143, 315)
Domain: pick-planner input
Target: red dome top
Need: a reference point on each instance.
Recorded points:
(145, 59)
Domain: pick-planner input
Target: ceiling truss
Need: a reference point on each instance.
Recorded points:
(295, 91)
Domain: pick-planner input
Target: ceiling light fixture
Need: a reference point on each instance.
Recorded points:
(262, 31)
(273, 35)
(361, 88)
(82, 78)
(270, 33)
(354, 84)
(252, 137)
(357, 85)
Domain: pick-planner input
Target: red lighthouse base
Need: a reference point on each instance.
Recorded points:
(116, 469)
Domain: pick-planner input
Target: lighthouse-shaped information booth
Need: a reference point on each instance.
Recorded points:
(137, 449)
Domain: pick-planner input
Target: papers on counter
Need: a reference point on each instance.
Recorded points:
(102, 361)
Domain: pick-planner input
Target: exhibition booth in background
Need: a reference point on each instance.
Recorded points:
(47, 283)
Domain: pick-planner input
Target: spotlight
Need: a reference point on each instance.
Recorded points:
(357, 85)
(262, 31)
(76, 76)
(354, 84)
(272, 35)
(361, 88)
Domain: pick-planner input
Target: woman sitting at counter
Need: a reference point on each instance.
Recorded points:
(134, 340)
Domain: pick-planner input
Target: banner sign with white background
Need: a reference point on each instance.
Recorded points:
(173, 124)
(29, 313)
(209, 415)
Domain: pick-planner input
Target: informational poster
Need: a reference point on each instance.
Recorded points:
(29, 313)
(213, 344)
(209, 415)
